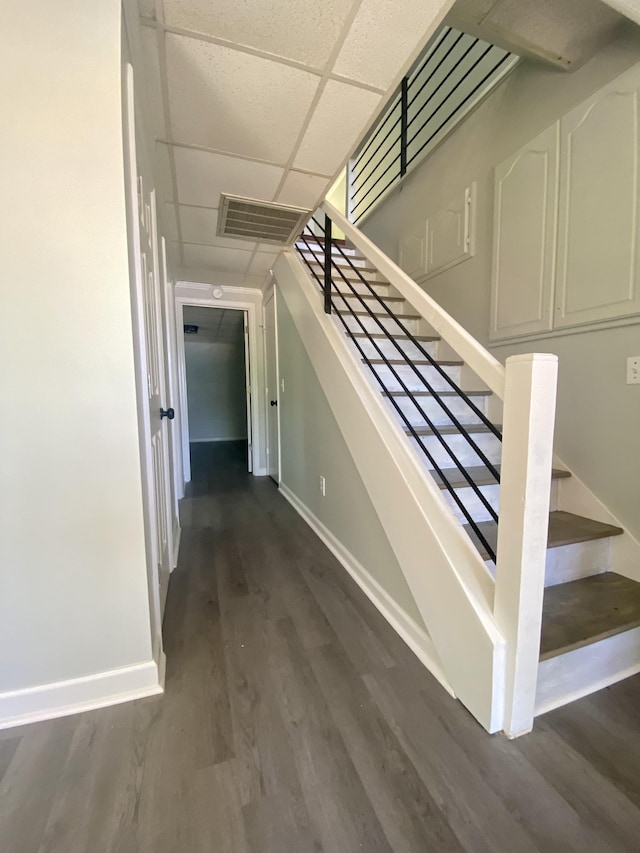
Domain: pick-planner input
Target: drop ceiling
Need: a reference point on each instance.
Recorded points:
(264, 100)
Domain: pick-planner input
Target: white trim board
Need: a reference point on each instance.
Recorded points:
(405, 626)
(62, 698)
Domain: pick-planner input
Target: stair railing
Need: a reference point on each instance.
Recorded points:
(527, 387)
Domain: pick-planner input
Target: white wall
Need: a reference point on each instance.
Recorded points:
(312, 444)
(216, 389)
(74, 597)
(598, 417)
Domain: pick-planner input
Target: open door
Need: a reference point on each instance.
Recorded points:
(154, 413)
(271, 357)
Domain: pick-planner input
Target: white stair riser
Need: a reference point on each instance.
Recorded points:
(371, 325)
(382, 289)
(347, 302)
(464, 452)
(572, 562)
(344, 271)
(337, 259)
(578, 560)
(434, 411)
(390, 350)
(412, 381)
(475, 507)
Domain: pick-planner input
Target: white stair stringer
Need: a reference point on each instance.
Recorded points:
(429, 543)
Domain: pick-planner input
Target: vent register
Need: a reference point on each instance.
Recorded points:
(260, 221)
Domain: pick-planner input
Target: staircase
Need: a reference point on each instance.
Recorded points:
(452, 422)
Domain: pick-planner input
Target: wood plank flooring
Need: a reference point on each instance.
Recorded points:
(295, 720)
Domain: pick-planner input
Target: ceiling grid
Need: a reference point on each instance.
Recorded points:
(266, 102)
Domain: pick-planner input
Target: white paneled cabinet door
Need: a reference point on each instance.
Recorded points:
(598, 269)
(525, 214)
(271, 358)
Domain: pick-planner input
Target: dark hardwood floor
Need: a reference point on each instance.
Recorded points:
(295, 720)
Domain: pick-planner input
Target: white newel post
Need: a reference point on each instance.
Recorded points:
(527, 458)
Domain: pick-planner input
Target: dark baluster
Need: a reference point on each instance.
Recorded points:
(404, 124)
(327, 266)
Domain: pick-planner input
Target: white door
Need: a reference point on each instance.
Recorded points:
(147, 318)
(271, 356)
(247, 381)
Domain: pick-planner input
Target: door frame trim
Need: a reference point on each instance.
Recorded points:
(269, 295)
(255, 378)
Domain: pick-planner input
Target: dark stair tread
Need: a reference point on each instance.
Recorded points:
(565, 528)
(395, 337)
(420, 361)
(446, 429)
(581, 612)
(481, 476)
(437, 393)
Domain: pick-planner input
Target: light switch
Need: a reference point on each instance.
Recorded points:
(633, 370)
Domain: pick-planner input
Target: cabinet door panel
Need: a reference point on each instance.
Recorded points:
(525, 218)
(598, 225)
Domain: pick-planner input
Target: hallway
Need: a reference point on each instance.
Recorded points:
(296, 720)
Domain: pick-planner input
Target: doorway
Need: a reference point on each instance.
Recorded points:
(217, 380)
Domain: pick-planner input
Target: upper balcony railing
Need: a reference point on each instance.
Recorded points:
(453, 75)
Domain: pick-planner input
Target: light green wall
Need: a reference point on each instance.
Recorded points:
(312, 444)
(598, 420)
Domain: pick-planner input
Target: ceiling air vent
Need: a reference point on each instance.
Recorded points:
(259, 221)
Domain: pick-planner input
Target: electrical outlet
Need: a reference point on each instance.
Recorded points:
(633, 370)
(323, 486)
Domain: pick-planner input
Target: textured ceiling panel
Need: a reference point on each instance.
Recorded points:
(294, 29)
(164, 171)
(203, 176)
(262, 263)
(344, 109)
(230, 100)
(302, 190)
(170, 222)
(384, 36)
(152, 76)
(226, 260)
(200, 225)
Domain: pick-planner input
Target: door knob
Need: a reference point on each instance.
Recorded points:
(274, 402)
(167, 413)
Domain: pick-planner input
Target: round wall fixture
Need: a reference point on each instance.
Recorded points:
(217, 293)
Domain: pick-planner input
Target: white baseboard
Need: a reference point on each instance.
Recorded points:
(48, 701)
(405, 626)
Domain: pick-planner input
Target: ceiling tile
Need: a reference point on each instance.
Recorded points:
(302, 190)
(153, 100)
(202, 176)
(379, 42)
(147, 8)
(347, 110)
(164, 171)
(213, 257)
(294, 29)
(262, 262)
(230, 100)
(199, 225)
(170, 222)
